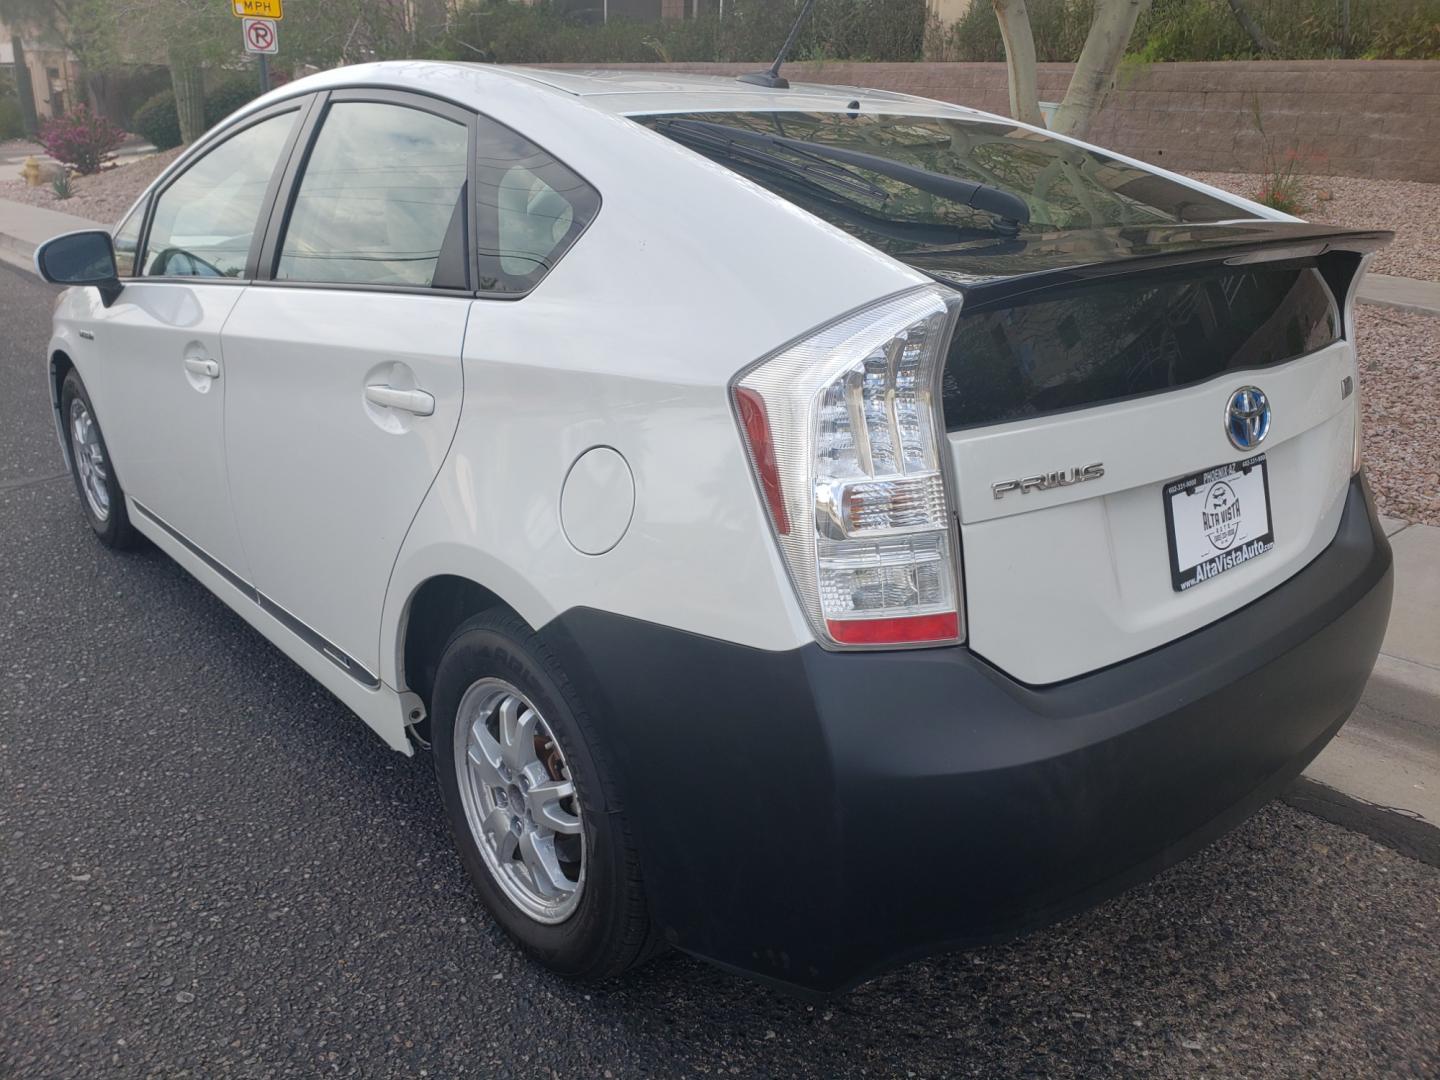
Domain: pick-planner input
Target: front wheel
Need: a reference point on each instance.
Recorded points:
(526, 799)
(101, 496)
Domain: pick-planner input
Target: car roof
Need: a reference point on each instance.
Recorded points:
(630, 90)
(596, 82)
(621, 91)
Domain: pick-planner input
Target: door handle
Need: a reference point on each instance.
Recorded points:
(412, 401)
(198, 366)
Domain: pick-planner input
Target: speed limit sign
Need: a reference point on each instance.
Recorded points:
(261, 36)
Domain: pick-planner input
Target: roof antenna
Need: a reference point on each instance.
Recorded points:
(772, 78)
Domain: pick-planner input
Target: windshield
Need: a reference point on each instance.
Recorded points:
(902, 209)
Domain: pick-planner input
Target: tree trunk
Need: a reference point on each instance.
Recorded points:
(188, 80)
(430, 19)
(1014, 18)
(1099, 60)
(24, 89)
(1251, 27)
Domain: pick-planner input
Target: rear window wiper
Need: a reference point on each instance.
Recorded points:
(799, 181)
(1005, 205)
(719, 141)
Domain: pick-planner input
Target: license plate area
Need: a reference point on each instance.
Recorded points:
(1217, 520)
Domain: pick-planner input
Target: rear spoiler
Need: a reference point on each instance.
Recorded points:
(1002, 270)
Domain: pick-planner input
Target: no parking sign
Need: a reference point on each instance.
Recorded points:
(261, 36)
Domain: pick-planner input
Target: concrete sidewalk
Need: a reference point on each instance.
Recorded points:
(1407, 294)
(1387, 756)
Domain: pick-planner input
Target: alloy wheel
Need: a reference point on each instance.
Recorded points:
(520, 800)
(90, 460)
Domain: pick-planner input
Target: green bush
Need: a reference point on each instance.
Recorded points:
(751, 31)
(12, 122)
(227, 97)
(1208, 30)
(157, 121)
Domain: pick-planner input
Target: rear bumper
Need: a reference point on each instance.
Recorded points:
(813, 817)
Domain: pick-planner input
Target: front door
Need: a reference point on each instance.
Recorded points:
(164, 369)
(344, 381)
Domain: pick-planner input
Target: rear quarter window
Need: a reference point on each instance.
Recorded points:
(531, 208)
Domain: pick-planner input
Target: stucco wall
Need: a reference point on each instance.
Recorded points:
(1344, 117)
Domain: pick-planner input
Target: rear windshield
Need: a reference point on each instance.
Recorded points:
(858, 189)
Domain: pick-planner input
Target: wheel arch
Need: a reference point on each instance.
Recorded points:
(60, 365)
(433, 610)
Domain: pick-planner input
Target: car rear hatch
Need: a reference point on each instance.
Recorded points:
(1104, 507)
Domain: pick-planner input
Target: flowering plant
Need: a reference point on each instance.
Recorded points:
(81, 139)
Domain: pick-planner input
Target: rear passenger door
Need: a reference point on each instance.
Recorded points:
(343, 361)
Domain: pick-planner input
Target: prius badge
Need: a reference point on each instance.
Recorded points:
(1046, 481)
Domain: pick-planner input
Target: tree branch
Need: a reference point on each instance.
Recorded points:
(1251, 27)
(1014, 19)
(1099, 60)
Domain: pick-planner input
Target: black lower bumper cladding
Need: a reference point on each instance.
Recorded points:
(811, 817)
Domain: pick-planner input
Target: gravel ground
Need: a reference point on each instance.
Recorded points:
(103, 197)
(1410, 208)
(1400, 398)
(210, 869)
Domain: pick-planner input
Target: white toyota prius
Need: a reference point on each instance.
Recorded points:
(809, 526)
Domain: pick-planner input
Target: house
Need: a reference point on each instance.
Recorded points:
(50, 73)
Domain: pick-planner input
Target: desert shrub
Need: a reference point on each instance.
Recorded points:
(1282, 180)
(157, 121)
(62, 185)
(81, 139)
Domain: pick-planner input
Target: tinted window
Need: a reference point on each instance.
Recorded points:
(204, 221)
(530, 209)
(376, 198)
(1087, 344)
(127, 242)
(884, 178)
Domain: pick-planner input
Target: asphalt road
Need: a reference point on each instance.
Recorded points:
(210, 869)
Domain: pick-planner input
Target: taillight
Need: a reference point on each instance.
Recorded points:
(843, 432)
(1351, 387)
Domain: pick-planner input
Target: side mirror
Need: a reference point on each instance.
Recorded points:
(81, 258)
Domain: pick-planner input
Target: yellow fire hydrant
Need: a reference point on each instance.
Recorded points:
(30, 171)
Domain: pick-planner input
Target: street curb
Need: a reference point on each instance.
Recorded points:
(1400, 305)
(1395, 829)
(1400, 293)
(17, 253)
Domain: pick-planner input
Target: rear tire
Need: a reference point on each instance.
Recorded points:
(564, 880)
(101, 497)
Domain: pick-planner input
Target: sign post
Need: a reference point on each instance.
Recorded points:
(262, 37)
